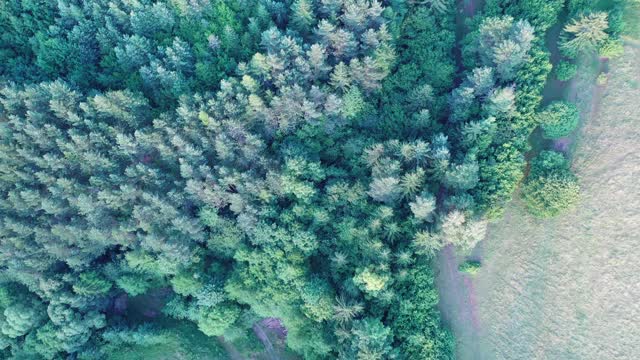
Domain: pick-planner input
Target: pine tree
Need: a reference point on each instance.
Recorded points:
(585, 33)
(303, 18)
(482, 80)
(340, 78)
(345, 312)
(423, 207)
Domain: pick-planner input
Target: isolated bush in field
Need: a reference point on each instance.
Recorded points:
(602, 79)
(566, 71)
(559, 119)
(550, 188)
(585, 34)
(470, 267)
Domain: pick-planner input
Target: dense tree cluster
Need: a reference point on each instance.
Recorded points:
(164, 48)
(177, 171)
(591, 28)
(596, 28)
(115, 183)
(492, 111)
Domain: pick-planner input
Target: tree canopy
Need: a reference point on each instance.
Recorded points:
(174, 172)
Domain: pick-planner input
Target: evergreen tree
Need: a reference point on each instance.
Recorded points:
(585, 33)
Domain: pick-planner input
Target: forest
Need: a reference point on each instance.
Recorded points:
(198, 179)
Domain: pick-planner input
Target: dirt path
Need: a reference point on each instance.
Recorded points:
(268, 346)
(567, 288)
(555, 89)
(458, 303)
(232, 352)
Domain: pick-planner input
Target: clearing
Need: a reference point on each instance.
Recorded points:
(564, 288)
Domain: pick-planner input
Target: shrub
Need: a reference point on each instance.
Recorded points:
(602, 79)
(559, 119)
(547, 162)
(370, 282)
(214, 321)
(611, 49)
(566, 71)
(470, 267)
(185, 284)
(548, 196)
(550, 188)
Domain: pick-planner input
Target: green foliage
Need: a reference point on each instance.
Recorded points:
(207, 167)
(136, 284)
(214, 321)
(302, 18)
(167, 341)
(503, 44)
(585, 33)
(566, 71)
(461, 231)
(370, 340)
(611, 49)
(423, 207)
(91, 284)
(20, 318)
(550, 188)
(416, 320)
(158, 47)
(542, 14)
(559, 119)
(499, 177)
(385, 189)
(550, 195)
(426, 39)
(318, 304)
(144, 335)
(549, 161)
(493, 109)
(353, 103)
(370, 282)
(470, 267)
(431, 48)
(462, 176)
(186, 284)
(602, 79)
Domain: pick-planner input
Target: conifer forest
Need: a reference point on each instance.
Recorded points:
(272, 179)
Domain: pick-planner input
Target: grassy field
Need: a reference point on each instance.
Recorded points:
(565, 288)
